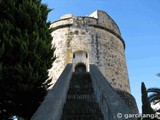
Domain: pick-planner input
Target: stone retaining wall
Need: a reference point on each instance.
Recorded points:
(129, 100)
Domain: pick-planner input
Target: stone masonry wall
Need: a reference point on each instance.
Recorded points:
(99, 36)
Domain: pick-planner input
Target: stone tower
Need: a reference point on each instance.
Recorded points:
(95, 39)
(93, 44)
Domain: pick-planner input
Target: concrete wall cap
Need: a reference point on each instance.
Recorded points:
(66, 16)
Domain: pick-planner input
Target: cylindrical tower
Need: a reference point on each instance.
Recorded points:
(96, 36)
(99, 38)
(95, 39)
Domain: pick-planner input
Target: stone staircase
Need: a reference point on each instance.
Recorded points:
(81, 102)
(76, 91)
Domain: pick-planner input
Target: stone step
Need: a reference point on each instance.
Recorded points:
(83, 117)
(81, 108)
(85, 97)
(80, 102)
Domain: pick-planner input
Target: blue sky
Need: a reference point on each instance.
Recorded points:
(139, 22)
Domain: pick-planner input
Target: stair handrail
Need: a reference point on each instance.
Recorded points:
(111, 105)
(52, 106)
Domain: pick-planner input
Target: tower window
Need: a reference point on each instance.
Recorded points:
(86, 55)
(73, 55)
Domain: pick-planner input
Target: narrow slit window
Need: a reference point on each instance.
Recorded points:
(73, 55)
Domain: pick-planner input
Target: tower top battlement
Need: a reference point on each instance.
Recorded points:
(103, 19)
(99, 19)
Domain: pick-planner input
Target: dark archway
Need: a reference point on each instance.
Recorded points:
(80, 68)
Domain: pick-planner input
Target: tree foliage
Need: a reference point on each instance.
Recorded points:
(146, 106)
(146, 109)
(154, 97)
(25, 56)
